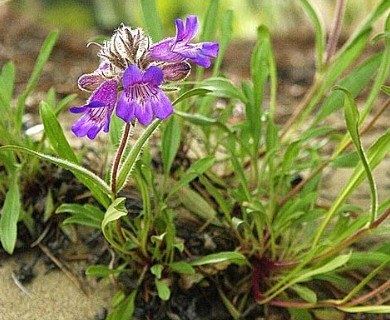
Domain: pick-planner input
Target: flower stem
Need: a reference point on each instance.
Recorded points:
(335, 33)
(117, 160)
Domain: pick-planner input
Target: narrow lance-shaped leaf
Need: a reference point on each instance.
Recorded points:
(87, 214)
(195, 170)
(229, 256)
(114, 212)
(55, 133)
(354, 82)
(352, 119)
(382, 76)
(226, 35)
(152, 19)
(375, 155)
(170, 143)
(208, 29)
(260, 73)
(7, 80)
(375, 14)
(9, 216)
(315, 17)
(43, 56)
(96, 185)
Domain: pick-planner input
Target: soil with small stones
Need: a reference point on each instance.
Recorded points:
(48, 281)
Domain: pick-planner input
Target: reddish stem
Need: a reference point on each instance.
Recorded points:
(118, 157)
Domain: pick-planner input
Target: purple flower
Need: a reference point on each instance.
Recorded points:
(178, 48)
(142, 96)
(98, 110)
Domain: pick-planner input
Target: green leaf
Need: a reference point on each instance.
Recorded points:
(353, 82)
(239, 170)
(226, 32)
(209, 28)
(170, 144)
(337, 262)
(300, 314)
(305, 293)
(191, 93)
(347, 160)
(223, 204)
(114, 212)
(55, 133)
(222, 88)
(40, 63)
(386, 89)
(163, 290)
(87, 214)
(375, 155)
(197, 205)
(366, 309)
(116, 129)
(157, 270)
(228, 256)
(315, 17)
(352, 119)
(360, 260)
(196, 169)
(382, 76)
(125, 309)
(10, 215)
(97, 186)
(152, 19)
(260, 72)
(101, 271)
(230, 307)
(341, 62)
(182, 267)
(64, 102)
(210, 21)
(7, 80)
(381, 8)
(49, 206)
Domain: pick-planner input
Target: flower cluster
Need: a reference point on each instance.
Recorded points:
(131, 72)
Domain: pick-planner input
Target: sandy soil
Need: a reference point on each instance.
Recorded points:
(50, 295)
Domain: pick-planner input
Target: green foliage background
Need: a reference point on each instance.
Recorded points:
(278, 15)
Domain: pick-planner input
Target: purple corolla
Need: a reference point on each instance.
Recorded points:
(142, 98)
(178, 48)
(98, 110)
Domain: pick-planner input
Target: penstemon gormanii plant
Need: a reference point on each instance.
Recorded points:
(251, 185)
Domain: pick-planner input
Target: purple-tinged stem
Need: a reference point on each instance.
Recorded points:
(114, 172)
(335, 32)
(118, 156)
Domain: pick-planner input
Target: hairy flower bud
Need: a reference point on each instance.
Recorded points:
(126, 47)
(175, 71)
